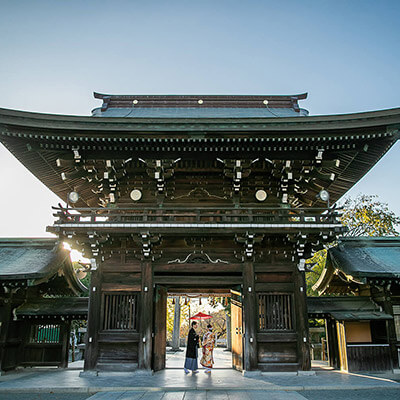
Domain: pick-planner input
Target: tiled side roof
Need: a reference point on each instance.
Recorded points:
(55, 306)
(345, 308)
(28, 258)
(368, 257)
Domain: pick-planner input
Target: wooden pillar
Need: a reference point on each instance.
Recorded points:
(5, 316)
(92, 345)
(25, 328)
(146, 316)
(160, 328)
(333, 350)
(342, 345)
(228, 332)
(177, 324)
(303, 343)
(390, 328)
(250, 318)
(65, 330)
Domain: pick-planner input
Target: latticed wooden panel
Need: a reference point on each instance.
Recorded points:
(119, 312)
(45, 333)
(275, 312)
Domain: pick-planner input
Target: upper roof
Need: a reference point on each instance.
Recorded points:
(33, 261)
(355, 260)
(199, 106)
(357, 140)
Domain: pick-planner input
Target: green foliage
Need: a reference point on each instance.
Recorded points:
(215, 306)
(314, 267)
(367, 216)
(183, 320)
(363, 216)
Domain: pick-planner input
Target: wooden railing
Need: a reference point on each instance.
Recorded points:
(243, 215)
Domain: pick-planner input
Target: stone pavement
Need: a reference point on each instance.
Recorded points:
(172, 383)
(364, 394)
(58, 380)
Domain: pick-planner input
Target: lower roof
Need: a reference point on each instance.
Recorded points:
(59, 306)
(345, 308)
(38, 261)
(29, 258)
(367, 257)
(356, 260)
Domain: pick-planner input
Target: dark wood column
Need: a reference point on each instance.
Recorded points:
(65, 333)
(333, 350)
(250, 318)
(92, 345)
(146, 316)
(5, 316)
(385, 300)
(303, 343)
(160, 327)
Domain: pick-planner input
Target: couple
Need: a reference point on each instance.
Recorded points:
(208, 345)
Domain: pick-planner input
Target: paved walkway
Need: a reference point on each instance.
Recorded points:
(174, 379)
(172, 383)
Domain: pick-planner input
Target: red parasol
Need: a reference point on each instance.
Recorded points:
(200, 316)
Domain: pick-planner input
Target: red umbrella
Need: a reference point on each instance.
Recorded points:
(200, 316)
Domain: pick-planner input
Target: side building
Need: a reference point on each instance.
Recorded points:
(198, 194)
(39, 293)
(363, 317)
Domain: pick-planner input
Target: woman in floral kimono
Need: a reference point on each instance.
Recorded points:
(207, 360)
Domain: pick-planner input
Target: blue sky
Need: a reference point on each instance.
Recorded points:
(54, 54)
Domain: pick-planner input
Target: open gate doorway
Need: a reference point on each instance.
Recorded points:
(228, 353)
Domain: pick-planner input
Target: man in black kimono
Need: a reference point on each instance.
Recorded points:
(191, 350)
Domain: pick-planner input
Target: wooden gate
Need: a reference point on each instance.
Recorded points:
(160, 328)
(237, 330)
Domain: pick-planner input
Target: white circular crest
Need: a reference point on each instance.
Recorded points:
(261, 195)
(136, 194)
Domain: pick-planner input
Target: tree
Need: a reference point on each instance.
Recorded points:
(367, 216)
(363, 216)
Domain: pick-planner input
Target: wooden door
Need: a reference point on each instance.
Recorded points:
(160, 328)
(237, 330)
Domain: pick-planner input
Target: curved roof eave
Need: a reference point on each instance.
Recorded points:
(300, 96)
(57, 122)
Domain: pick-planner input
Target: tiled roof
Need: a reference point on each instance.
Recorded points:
(55, 306)
(28, 258)
(199, 106)
(163, 112)
(367, 257)
(345, 308)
